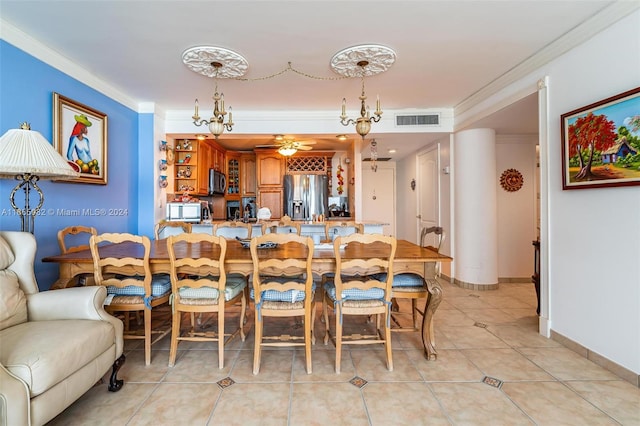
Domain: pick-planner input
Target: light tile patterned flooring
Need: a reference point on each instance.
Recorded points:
(493, 368)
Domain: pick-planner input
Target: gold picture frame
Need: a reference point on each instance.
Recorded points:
(80, 136)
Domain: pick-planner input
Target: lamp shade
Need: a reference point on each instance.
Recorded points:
(287, 151)
(27, 151)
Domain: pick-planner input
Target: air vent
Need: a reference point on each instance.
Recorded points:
(378, 159)
(418, 120)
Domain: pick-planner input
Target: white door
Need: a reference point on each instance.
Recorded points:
(427, 191)
(379, 195)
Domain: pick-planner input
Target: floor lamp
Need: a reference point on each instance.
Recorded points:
(26, 156)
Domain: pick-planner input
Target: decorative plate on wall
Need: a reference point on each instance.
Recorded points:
(511, 180)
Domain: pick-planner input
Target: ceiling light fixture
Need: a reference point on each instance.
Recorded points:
(215, 62)
(287, 151)
(201, 137)
(341, 138)
(26, 156)
(362, 61)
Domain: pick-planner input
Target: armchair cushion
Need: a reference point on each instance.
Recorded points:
(13, 303)
(35, 352)
(6, 254)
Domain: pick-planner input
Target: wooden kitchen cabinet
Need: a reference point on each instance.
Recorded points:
(270, 169)
(270, 173)
(233, 176)
(193, 159)
(204, 160)
(272, 199)
(248, 182)
(185, 168)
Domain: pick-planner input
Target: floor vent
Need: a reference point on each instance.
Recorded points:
(418, 120)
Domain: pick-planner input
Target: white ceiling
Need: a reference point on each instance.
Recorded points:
(446, 51)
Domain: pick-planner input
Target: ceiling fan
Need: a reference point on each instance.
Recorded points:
(289, 146)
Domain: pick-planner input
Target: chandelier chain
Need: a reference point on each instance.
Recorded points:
(287, 69)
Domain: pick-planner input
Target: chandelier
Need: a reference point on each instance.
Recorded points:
(362, 61)
(215, 62)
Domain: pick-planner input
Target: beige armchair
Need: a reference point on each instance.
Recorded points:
(54, 345)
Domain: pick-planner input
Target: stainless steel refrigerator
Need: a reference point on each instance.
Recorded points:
(306, 196)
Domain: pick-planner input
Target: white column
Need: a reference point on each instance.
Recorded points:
(475, 217)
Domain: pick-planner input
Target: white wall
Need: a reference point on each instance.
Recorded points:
(516, 210)
(594, 276)
(379, 199)
(590, 237)
(407, 199)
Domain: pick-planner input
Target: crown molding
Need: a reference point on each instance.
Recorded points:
(578, 35)
(33, 47)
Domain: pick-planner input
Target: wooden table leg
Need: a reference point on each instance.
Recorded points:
(433, 301)
(66, 273)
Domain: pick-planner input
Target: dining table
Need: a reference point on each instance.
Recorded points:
(409, 258)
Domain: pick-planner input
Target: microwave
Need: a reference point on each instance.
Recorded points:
(217, 182)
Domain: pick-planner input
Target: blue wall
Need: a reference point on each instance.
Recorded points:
(27, 85)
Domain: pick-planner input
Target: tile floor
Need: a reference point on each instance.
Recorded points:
(493, 368)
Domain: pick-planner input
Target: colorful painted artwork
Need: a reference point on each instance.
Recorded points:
(80, 136)
(601, 143)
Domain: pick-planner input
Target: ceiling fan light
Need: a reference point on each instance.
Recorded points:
(287, 151)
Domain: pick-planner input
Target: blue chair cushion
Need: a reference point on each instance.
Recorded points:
(354, 293)
(235, 285)
(404, 280)
(160, 285)
(291, 296)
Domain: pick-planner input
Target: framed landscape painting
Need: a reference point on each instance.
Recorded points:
(80, 136)
(601, 143)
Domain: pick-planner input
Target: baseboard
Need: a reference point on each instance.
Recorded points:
(618, 370)
(472, 286)
(514, 279)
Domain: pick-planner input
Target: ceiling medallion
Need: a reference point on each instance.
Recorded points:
(200, 59)
(511, 180)
(348, 61)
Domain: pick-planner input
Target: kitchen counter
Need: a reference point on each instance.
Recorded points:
(306, 227)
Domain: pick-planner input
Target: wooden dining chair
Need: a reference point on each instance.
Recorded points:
(358, 290)
(130, 285)
(165, 228)
(283, 226)
(333, 229)
(414, 286)
(232, 230)
(201, 285)
(76, 234)
(283, 287)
